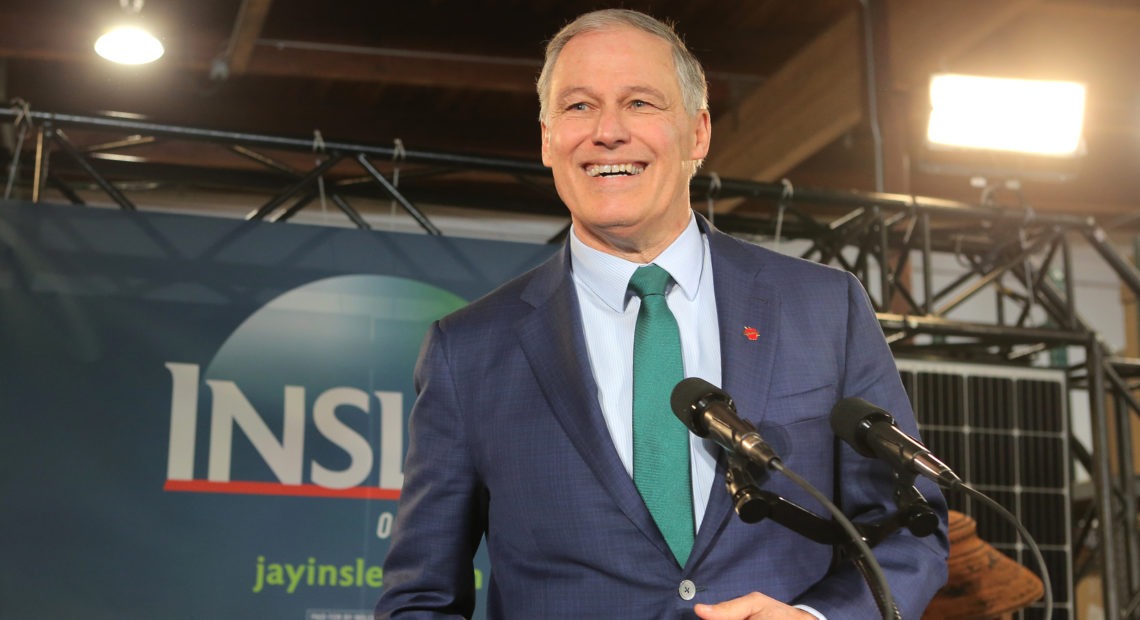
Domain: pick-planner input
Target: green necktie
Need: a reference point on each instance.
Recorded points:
(660, 440)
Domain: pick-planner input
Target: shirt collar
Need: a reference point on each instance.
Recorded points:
(608, 276)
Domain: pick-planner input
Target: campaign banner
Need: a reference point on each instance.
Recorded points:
(207, 418)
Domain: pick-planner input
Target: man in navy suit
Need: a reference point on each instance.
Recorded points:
(521, 431)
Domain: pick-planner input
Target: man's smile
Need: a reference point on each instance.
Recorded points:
(607, 170)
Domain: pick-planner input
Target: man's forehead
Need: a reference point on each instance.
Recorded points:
(646, 42)
(641, 45)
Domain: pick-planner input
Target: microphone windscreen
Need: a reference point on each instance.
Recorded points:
(847, 422)
(687, 393)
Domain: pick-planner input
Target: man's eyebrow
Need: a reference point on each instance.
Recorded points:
(647, 90)
(576, 91)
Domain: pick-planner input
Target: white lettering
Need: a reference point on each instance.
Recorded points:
(384, 525)
(391, 439)
(284, 454)
(183, 421)
(360, 453)
(231, 407)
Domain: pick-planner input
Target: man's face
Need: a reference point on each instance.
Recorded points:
(620, 142)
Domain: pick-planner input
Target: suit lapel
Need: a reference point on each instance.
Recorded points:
(747, 307)
(552, 340)
(748, 312)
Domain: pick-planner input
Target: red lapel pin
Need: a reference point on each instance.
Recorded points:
(751, 333)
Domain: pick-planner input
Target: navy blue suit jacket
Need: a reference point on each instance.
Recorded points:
(507, 441)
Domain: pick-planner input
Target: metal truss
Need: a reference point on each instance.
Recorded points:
(1024, 261)
(1020, 259)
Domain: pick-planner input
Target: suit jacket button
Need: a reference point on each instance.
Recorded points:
(687, 590)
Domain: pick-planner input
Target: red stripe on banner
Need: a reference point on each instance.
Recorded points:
(276, 488)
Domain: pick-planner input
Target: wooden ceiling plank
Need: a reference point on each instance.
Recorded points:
(803, 106)
(926, 35)
(247, 29)
(387, 68)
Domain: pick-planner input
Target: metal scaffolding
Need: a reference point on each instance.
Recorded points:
(1021, 258)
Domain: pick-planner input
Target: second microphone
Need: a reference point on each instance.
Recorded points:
(708, 411)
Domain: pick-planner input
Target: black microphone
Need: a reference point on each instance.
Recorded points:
(708, 411)
(873, 433)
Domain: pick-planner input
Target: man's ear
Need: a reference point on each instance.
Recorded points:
(545, 144)
(702, 135)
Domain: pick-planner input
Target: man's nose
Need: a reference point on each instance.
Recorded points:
(611, 129)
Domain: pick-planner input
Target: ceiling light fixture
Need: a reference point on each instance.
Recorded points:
(1026, 116)
(129, 45)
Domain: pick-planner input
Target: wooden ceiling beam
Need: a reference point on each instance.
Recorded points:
(926, 36)
(393, 66)
(247, 29)
(805, 105)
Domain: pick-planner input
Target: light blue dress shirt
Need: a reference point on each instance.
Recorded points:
(609, 315)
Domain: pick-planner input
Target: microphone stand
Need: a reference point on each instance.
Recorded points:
(753, 504)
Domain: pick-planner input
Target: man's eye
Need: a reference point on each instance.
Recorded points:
(640, 104)
(577, 107)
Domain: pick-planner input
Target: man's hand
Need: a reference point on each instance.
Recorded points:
(753, 606)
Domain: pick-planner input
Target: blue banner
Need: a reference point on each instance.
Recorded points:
(206, 418)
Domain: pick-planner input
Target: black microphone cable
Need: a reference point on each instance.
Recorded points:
(1025, 537)
(883, 597)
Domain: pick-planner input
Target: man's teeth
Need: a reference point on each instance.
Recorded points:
(612, 169)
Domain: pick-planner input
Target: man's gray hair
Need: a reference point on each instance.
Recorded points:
(690, 75)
